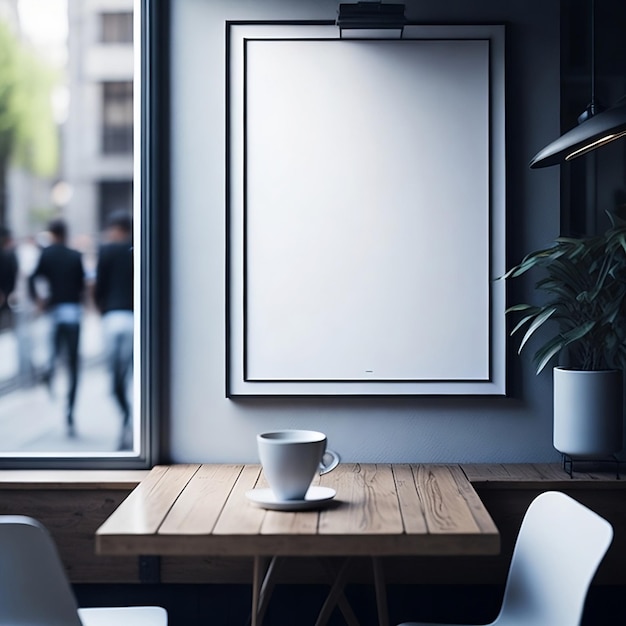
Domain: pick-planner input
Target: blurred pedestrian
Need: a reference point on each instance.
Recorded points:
(8, 276)
(24, 311)
(113, 293)
(62, 270)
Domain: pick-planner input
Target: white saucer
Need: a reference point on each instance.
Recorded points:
(315, 497)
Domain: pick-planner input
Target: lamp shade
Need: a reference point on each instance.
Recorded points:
(594, 132)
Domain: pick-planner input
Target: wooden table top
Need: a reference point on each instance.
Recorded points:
(379, 510)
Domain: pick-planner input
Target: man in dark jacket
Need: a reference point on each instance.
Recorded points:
(114, 298)
(8, 275)
(62, 271)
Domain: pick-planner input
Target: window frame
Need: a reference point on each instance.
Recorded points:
(151, 202)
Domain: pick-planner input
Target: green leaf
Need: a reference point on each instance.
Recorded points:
(556, 287)
(540, 319)
(542, 357)
(523, 322)
(579, 332)
(520, 307)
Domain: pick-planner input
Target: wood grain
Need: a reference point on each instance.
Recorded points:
(148, 504)
(238, 516)
(445, 507)
(379, 510)
(199, 506)
(411, 507)
(475, 504)
(367, 501)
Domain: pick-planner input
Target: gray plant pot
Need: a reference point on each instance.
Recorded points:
(588, 412)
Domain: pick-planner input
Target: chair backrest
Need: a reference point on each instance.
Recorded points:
(558, 550)
(34, 589)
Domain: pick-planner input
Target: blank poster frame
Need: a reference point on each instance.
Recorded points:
(365, 217)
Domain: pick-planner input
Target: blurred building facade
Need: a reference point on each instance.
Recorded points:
(97, 153)
(94, 110)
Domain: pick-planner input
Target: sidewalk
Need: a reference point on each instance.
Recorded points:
(33, 420)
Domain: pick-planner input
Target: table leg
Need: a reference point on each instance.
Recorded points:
(337, 598)
(381, 592)
(258, 574)
(269, 582)
(263, 582)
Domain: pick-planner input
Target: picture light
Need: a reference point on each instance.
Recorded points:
(371, 19)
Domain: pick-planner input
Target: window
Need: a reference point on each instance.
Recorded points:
(117, 118)
(57, 166)
(116, 27)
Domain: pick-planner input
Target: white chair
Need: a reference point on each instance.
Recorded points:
(558, 550)
(35, 590)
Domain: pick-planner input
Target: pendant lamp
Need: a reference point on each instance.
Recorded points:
(595, 128)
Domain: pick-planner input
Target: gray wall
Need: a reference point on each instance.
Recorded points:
(205, 425)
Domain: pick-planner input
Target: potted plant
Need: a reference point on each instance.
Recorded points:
(585, 283)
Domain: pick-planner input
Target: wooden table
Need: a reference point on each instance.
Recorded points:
(379, 511)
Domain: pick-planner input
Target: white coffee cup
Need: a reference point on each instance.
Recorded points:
(291, 458)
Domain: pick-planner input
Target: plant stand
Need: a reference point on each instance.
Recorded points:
(567, 463)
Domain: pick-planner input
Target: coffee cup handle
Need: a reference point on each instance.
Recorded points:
(330, 460)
